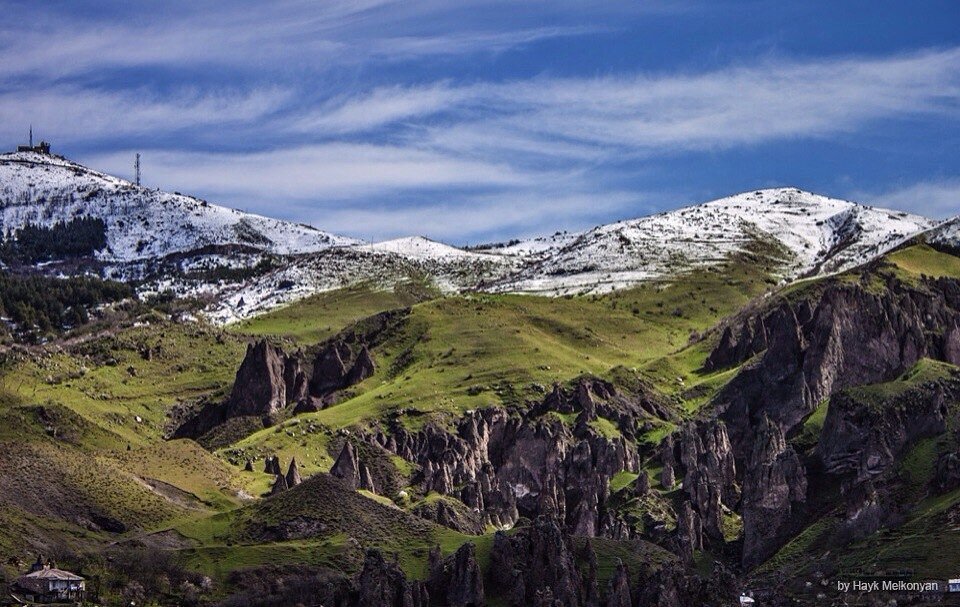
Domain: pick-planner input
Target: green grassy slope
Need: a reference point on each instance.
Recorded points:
(464, 352)
(318, 317)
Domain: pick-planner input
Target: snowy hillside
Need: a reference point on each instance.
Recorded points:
(947, 233)
(418, 247)
(165, 241)
(334, 268)
(141, 223)
(816, 234)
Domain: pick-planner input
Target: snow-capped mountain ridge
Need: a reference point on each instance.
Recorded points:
(817, 235)
(141, 223)
(179, 242)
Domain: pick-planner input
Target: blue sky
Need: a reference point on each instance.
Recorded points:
(480, 120)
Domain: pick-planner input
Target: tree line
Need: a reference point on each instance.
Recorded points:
(39, 305)
(35, 243)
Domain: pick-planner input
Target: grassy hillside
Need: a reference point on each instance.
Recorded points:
(464, 352)
(316, 318)
(924, 260)
(81, 425)
(126, 379)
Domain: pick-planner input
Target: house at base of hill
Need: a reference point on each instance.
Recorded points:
(47, 584)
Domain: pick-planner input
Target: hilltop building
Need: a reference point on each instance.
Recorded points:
(47, 584)
(41, 148)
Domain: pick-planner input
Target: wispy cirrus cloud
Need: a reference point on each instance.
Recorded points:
(479, 144)
(245, 36)
(934, 198)
(333, 172)
(74, 114)
(422, 111)
(738, 105)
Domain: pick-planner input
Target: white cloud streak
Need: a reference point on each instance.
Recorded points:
(484, 153)
(727, 107)
(937, 198)
(331, 172)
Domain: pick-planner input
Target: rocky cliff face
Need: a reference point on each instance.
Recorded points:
(774, 493)
(736, 463)
(506, 465)
(702, 451)
(269, 381)
(845, 335)
(865, 432)
(805, 351)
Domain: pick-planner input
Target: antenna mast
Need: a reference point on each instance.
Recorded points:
(31, 135)
(136, 166)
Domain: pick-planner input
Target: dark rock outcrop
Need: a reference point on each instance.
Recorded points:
(535, 559)
(383, 584)
(947, 472)
(366, 480)
(774, 493)
(864, 433)
(339, 366)
(293, 474)
(689, 532)
(279, 485)
(451, 513)
(347, 467)
(271, 465)
(838, 335)
(266, 382)
(618, 590)
(705, 455)
(456, 581)
(805, 349)
(505, 465)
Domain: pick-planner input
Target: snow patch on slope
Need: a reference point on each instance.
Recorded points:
(418, 247)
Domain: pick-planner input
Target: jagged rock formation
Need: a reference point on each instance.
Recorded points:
(618, 590)
(710, 472)
(266, 382)
(799, 352)
(383, 584)
(689, 532)
(279, 485)
(844, 335)
(863, 435)
(271, 465)
(774, 493)
(506, 466)
(456, 581)
(451, 513)
(537, 558)
(338, 367)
